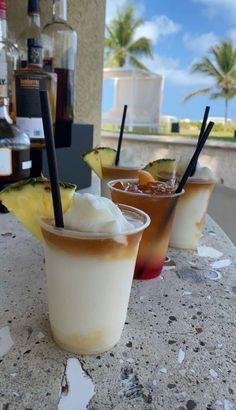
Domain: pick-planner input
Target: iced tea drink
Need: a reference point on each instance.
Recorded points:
(159, 201)
(190, 213)
(89, 277)
(110, 172)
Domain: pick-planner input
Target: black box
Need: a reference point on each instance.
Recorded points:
(71, 166)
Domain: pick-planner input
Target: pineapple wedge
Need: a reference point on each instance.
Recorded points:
(97, 157)
(31, 199)
(161, 167)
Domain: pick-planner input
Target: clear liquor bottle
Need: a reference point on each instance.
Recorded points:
(8, 55)
(32, 30)
(27, 83)
(60, 54)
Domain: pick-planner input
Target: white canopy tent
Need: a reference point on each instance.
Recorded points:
(142, 91)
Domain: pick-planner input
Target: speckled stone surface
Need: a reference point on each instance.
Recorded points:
(177, 349)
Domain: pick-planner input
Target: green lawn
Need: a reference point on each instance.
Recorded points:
(192, 132)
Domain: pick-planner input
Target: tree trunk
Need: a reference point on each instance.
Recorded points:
(226, 110)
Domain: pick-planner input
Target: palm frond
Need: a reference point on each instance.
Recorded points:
(205, 66)
(113, 61)
(119, 39)
(202, 91)
(142, 46)
(137, 64)
(224, 55)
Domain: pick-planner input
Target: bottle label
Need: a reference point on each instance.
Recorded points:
(5, 162)
(35, 55)
(31, 126)
(26, 164)
(28, 106)
(3, 78)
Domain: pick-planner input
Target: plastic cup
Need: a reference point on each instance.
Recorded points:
(110, 172)
(89, 277)
(154, 244)
(190, 213)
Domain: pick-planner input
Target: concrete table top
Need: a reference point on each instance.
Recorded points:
(177, 349)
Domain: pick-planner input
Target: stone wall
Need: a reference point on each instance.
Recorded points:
(88, 19)
(219, 156)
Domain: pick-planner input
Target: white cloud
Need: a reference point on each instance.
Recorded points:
(200, 44)
(113, 5)
(159, 26)
(220, 7)
(174, 74)
(232, 35)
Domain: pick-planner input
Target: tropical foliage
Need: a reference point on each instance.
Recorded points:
(121, 46)
(220, 65)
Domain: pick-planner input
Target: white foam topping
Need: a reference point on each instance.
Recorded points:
(201, 172)
(204, 173)
(92, 213)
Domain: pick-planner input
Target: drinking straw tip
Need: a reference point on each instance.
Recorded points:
(121, 135)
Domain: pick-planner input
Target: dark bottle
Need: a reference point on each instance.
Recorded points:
(32, 30)
(28, 82)
(60, 54)
(15, 161)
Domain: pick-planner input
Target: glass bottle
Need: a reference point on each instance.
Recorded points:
(15, 161)
(60, 54)
(8, 55)
(32, 30)
(27, 83)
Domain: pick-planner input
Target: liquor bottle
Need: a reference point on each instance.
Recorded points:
(8, 55)
(60, 54)
(27, 83)
(15, 163)
(32, 30)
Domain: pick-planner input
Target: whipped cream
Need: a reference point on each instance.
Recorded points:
(127, 159)
(92, 213)
(201, 172)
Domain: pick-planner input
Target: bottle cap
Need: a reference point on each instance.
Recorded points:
(3, 9)
(33, 42)
(33, 6)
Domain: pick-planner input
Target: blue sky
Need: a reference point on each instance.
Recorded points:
(181, 31)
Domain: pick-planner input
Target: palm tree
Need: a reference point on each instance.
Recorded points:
(120, 45)
(222, 68)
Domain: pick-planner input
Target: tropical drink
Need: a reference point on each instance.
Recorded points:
(89, 267)
(158, 200)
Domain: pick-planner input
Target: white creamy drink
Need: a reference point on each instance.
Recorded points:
(192, 208)
(90, 267)
(127, 169)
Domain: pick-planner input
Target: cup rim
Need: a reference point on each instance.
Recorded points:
(160, 196)
(98, 235)
(123, 167)
(194, 180)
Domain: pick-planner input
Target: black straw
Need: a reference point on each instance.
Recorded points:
(51, 156)
(203, 127)
(121, 135)
(195, 156)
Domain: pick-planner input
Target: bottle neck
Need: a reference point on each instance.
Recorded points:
(33, 19)
(4, 114)
(59, 12)
(3, 29)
